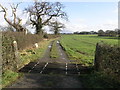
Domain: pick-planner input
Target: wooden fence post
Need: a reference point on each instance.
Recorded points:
(96, 62)
(16, 55)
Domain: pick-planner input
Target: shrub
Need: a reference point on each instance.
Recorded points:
(23, 40)
(45, 35)
(107, 59)
(52, 36)
(10, 61)
(8, 54)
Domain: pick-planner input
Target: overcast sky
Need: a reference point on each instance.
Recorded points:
(83, 16)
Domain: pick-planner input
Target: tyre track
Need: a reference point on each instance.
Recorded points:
(62, 72)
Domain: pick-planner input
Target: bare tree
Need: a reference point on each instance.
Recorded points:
(42, 12)
(56, 27)
(16, 22)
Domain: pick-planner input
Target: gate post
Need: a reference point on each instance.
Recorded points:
(15, 47)
(96, 61)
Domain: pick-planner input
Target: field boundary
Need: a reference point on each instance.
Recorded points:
(107, 59)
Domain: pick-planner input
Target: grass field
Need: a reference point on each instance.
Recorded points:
(82, 47)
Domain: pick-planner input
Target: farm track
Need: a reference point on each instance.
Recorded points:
(51, 73)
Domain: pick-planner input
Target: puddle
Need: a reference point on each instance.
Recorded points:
(58, 42)
(49, 46)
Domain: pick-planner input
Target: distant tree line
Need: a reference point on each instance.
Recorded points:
(86, 32)
(111, 33)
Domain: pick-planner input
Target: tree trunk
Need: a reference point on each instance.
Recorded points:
(39, 26)
(39, 29)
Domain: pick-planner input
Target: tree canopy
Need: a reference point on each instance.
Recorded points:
(41, 13)
(56, 27)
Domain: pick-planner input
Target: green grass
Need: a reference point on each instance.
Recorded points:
(98, 80)
(82, 47)
(9, 77)
(29, 55)
(26, 56)
(54, 50)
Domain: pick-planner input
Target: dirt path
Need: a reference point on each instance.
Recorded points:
(50, 73)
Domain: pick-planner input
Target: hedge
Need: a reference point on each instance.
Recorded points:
(8, 51)
(23, 40)
(107, 59)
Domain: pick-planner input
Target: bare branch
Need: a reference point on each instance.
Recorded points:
(16, 20)
(56, 26)
(34, 22)
(4, 10)
(42, 12)
(5, 14)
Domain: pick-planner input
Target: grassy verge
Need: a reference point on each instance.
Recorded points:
(26, 56)
(33, 54)
(98, 80)
(9, 77)
(54, 50)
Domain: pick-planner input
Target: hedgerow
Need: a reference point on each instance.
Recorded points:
(10, 61)
(107, 59)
